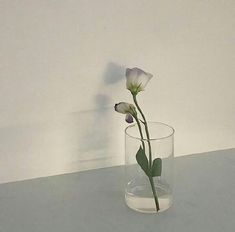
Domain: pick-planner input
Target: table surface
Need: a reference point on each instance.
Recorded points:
(204, 200)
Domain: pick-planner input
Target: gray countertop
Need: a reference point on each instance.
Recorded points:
(204, 200)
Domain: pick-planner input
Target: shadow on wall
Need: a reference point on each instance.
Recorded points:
(113, 73)
(98, 137)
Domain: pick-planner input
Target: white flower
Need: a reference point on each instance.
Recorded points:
(137, 79)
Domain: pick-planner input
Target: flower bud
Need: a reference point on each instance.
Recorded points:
(129, 118)
(125, 108)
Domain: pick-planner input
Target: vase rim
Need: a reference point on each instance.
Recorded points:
(151, 139)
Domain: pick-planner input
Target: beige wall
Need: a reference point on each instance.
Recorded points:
(61, 71)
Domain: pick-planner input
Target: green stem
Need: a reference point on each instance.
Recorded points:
(154, 193)
(146, 129)
(150, 151)
(141, 133)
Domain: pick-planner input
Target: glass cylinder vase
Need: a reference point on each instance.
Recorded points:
(149, 167)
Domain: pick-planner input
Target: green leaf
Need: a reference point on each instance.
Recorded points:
(142, 160)
(156, 167)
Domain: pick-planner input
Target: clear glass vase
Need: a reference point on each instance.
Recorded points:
(149, 191)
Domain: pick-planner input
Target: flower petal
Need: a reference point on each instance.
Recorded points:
(131, 77)
(143, 80)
